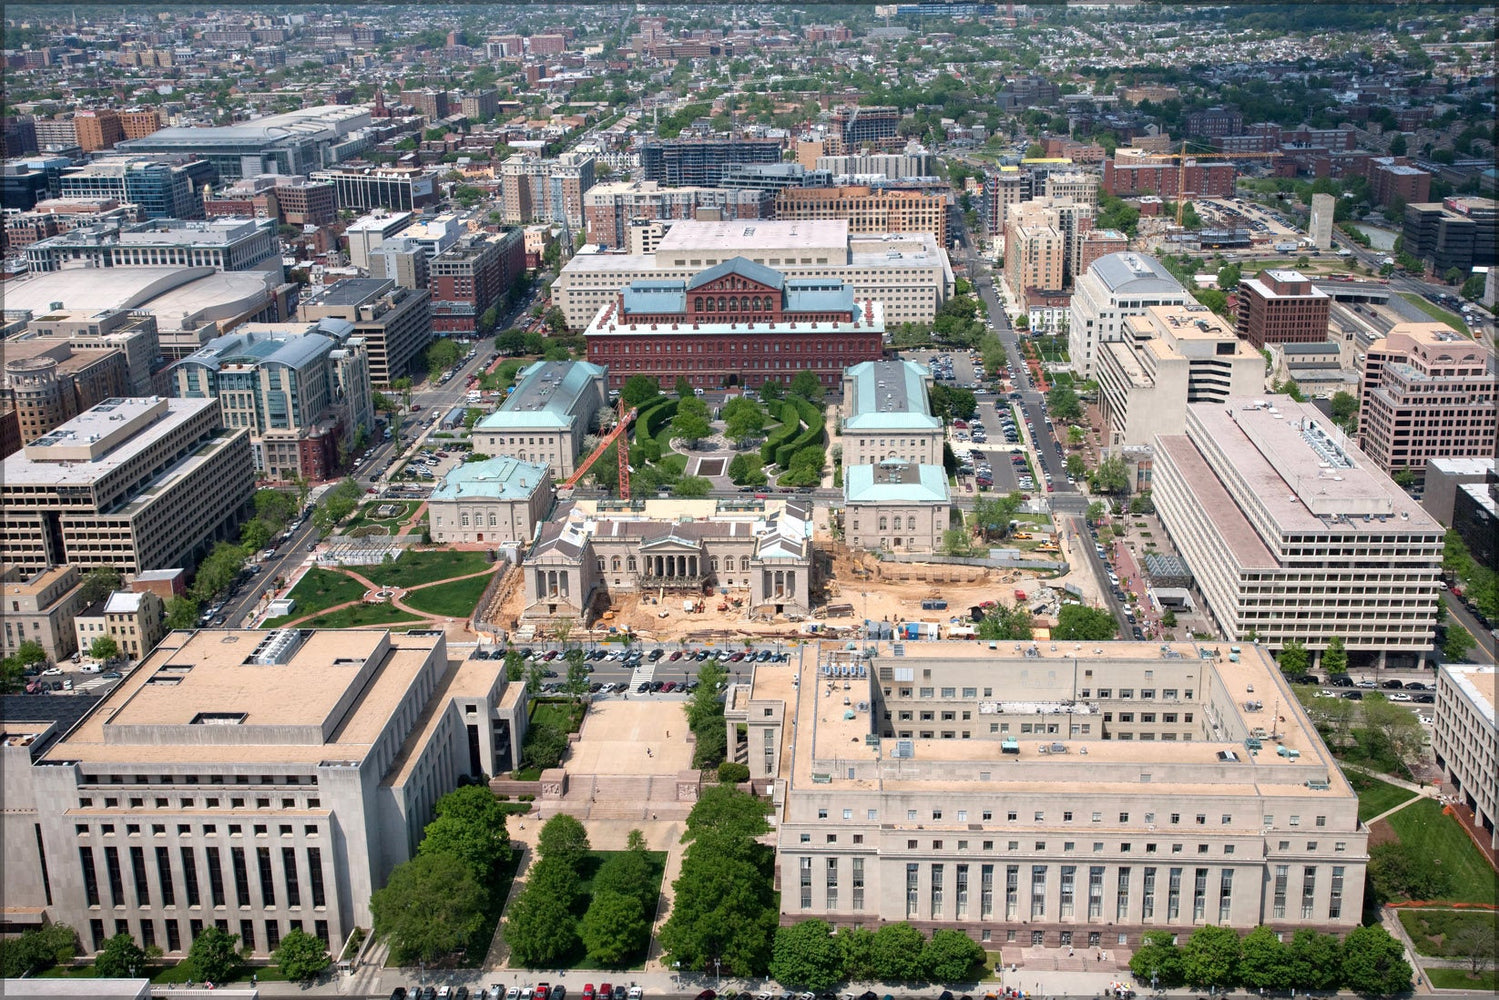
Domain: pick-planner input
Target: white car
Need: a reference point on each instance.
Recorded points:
(52, 672)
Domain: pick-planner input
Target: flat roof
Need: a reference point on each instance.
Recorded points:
(350, 292)
(1479, 682)
(329, 698)
(36, 583)
(751, 235)
(378, 223)
(895, 482)
(501, 478)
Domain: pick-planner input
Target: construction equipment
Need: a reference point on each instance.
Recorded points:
(625, 419)
(1181, 170)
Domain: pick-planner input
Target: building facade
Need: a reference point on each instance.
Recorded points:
(47, 383)
(1282, 307)
(1464, 738)
(134, 483)
(545, 419)
(466, 280)
(295, 142)
(1137, 176)
(895, 505)
(255, 807)
(887, 414)
(868, 210)
(222, 244)
(1169, 358)
(41, 606)
(1455, 233)
(1292, 533)
(497, 501)
(394, 322)
(395, 189)
(687, 547)
(134, 620)
(610, 209)
(1044, 798)
(700, 163)
(162, 190)
(736, 323)
(1116, 286)
(1427, 392)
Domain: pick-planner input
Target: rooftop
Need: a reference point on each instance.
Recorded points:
(495, 479)
(895, 482)
(750, 236)
(1479, 682)
(36, 583)
(379, 223)
(322, 121)
(1135, 274)
(888, 394)
(546, 396)
(93, 444)
(350, 292)
(241, 696)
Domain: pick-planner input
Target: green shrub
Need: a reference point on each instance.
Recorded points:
(731, 772)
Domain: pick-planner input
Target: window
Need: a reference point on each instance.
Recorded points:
(1038, 891)
(1148, 896)
(1335, 899)
(1012, 891)
(1173, 893)
(1225, 894)
(1308, 891)
(1278, 898)
(1121, 905)
(1199, 894)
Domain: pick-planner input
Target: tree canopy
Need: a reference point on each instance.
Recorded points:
(214, 956)
(429, 907)
(301, 956)
(1084, 624)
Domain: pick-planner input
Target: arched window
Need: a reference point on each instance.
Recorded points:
(614, 564)
(710, 305)
(492, 519)
(465, 519)
(744, 564)
(713, 562)
(697, 303)
(630, 564)
(733, 304)
(720, 304)
(911, 523)
(757, 303)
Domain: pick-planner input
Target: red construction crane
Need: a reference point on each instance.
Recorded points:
(625, 419)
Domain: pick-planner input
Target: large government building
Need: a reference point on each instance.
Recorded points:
(909, 273)
(1057, 794)
(257, 781)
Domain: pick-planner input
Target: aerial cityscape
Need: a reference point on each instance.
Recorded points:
(749, 501)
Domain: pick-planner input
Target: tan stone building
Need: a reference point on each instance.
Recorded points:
(546, 417)
(493, 501)
(1057, 797)
(886, 413)
(1466, 740)
(895, 505)
(868, 210)
(134, 620)
(41, 606)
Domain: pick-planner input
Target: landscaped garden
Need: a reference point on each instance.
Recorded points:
(361, 615)
(390, 515)
(1439, 933)
(454, 599)
(1426, 831)
(414, 568)
(1375, 796)
(319, 589)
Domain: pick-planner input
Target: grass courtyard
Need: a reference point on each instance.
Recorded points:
(1430, 832)
(319, 589)
(454, 599)
(1435, 311)
(1436, 933)
(414, 568)
(1375, 796)
(360, 615)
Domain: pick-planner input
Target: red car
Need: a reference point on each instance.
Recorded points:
(588, 991)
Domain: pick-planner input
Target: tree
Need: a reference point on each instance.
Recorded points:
(1076, 467)
(807, 385)
(1111, 476)
(1063, 404)
(896, 952)
(1475, 945)
(1076, 436)
(1096, 511)
(515, 666)
(1335, 656)
(1228, 277)
(442, 354)
(1168, 619)
(731, 772)
(856, 952)
(744, 419)
(98, 584)
(615, 928)
(275, 507)
(949, 957)
(470, 824)
(120, 957)
(539, 925)
(214, 956)
(684, 388)
(429, 907)
(1313, 960)
(1374, 963)
(1158, 962)
(1457, 644)
(1006, 624)
(563, 839)
(181, 613)
(30, 652)
(726, 811)
(1211, 957)
(993, 516)
(1294, 658)
(772, 391)
(1263, 961)
(1398, 144)
(630, 872)
(301, 956)
(723, 906)
(104, 647)
(693, 486)
(36, 950)
(1399, 870)
(1344, 409)
(746, 469)
(1084, 624)
(691, 421)
(639, 389)
(805, 954)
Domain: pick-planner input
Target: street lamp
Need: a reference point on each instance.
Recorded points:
(718, 972)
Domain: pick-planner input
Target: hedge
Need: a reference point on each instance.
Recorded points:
(814, 434)
(790, 419)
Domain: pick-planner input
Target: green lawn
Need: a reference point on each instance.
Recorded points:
(319, 589)
(558, 714)
(1431, 833)
(1374, 796)
(1457, 979)
(456, 599)
(413, 568)
(361, 614)
(366, 515)
(1432, 931)
(1435, 311)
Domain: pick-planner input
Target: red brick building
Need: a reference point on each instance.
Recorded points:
(472, 275)
(98, 130)
(1282, 307)
(738, 323)
(1204, 180)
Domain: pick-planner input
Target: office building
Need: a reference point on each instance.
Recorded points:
(401, 260)
(1475, 518)
(895, 505)
(1282, 306)
(365, 234)
(1125, 177)
(41, 606)
(295, 142)
(1427, 392)
(868, 210)
(429, 103)
(1075, 188)
(47, 382)
(913, 161)
(132, 332)
(546, 417)
(1464, 738)
(1214, 123)
(534, 189)
(610, 209)
(773, 176)
(495, 501)
(135, 483)
(1445, 478)
(1075, 797)
(698, 162)
(1324, 207)
(137, 123)
(1293, 533)
(270, 805)
(1392, 177)
(887, 414)
(909, 275)
(1455, 233)
(1169, 358)
(1113, 287)
(472, 276)
(98, 129)
(394, 322)
(134, 620)
(736, 323)
(479, 105)
(301, 389)
(17, 136)
(394, 189)
(865, 125)
(222, 244)
(761, 550)
(291, 201)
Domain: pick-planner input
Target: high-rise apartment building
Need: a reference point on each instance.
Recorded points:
(699, 163)
(1034, 254)
(1324, 207)
(610, 209)
(473, 275)
(1427, 392)
(1116, 286)
(96, 130)
(137, 123)
(1169, 358)
(401, 260)
(1282, 306)
(134, 483)
(428, 102)
(1292, 533)
(261, 781)
(859, 126)
(868, 209)
(132, 332)
(394, 321)
(1075, 187)
(533, 189)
